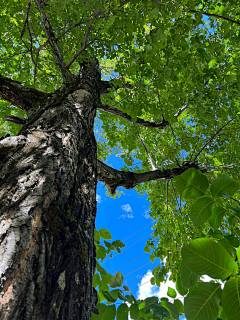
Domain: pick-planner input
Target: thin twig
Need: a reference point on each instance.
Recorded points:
(213, 137)
(148, 154)
(26, 19)
(174, 191)
(85, 43)
(196, 146)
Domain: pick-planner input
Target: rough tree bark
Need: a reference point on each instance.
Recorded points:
(48, 208)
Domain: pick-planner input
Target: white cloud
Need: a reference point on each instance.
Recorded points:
(128, 212)
(126, 208)
(127, 215)
(146, 213)
(147, 290)
(99, 198)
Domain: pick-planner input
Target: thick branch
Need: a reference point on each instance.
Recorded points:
(105, 85)
(216, 16)
(114, 178)
(16, 120)
(62, 67)
(195, 11)
(139, 121)
(18, 95)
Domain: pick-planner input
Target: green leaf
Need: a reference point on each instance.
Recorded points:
(231, 299)
(204, 256)
(97, 235)
(191, 184)
(171, 308)
(171, 292)
(217, 216)
(109, 313)
(223, 187)
(178, 303)
(203, 304)
(108, 296)
(101, 309)
(122, 312)
(158, 312)
(180, 288)
(105, 234)
(233, 240)
(149, 302)
(102, 271)
(116, 281)
(126, 289)
(188, 278)
(238, 254)
(201, 210)
(228, 247)
(134, 311)
(114, 293)
(122, 297)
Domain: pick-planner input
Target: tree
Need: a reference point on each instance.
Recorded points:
(169, 97)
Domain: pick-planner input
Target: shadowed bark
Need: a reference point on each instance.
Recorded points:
(48, 207)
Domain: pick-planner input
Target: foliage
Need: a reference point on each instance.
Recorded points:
(214, 255)
(182, 60)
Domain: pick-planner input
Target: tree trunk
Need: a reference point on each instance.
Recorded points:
(48, 208)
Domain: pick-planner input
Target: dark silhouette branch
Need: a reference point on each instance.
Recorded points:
(20, 96)
(114, 178)
(139, 121)
(195, 11)
(213, 137)
(16, 120)
(62, 67)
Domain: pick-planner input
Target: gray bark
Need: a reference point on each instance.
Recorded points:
(48, 177)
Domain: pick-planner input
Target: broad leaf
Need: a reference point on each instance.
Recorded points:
(108, 296)
(134, 311)
(217, 216)
(158, 312)
(109, 313)
(122, 312)
(188, 278)
(203, 304)
(105, 234)
(171, 292)
(204, 256)
(101, 309)
(116, 281)
(178, 303)
(231, 299)
(224, 187)
(191, 184)
(171, 308)
(149, 302)
(201, 210)
(180, 288)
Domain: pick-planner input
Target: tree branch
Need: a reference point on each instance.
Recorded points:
(215, 16)
(16, 120)
(20, 96)
(195, 11)
(105, 85)
(139, 121)
(62, 67)
(114, 178)
(180, 111)
(85, 43)
(213, 137)
(148, 154)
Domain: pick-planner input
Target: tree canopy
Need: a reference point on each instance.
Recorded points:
(171, 101)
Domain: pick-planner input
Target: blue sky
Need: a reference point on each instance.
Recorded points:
(127, 217)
